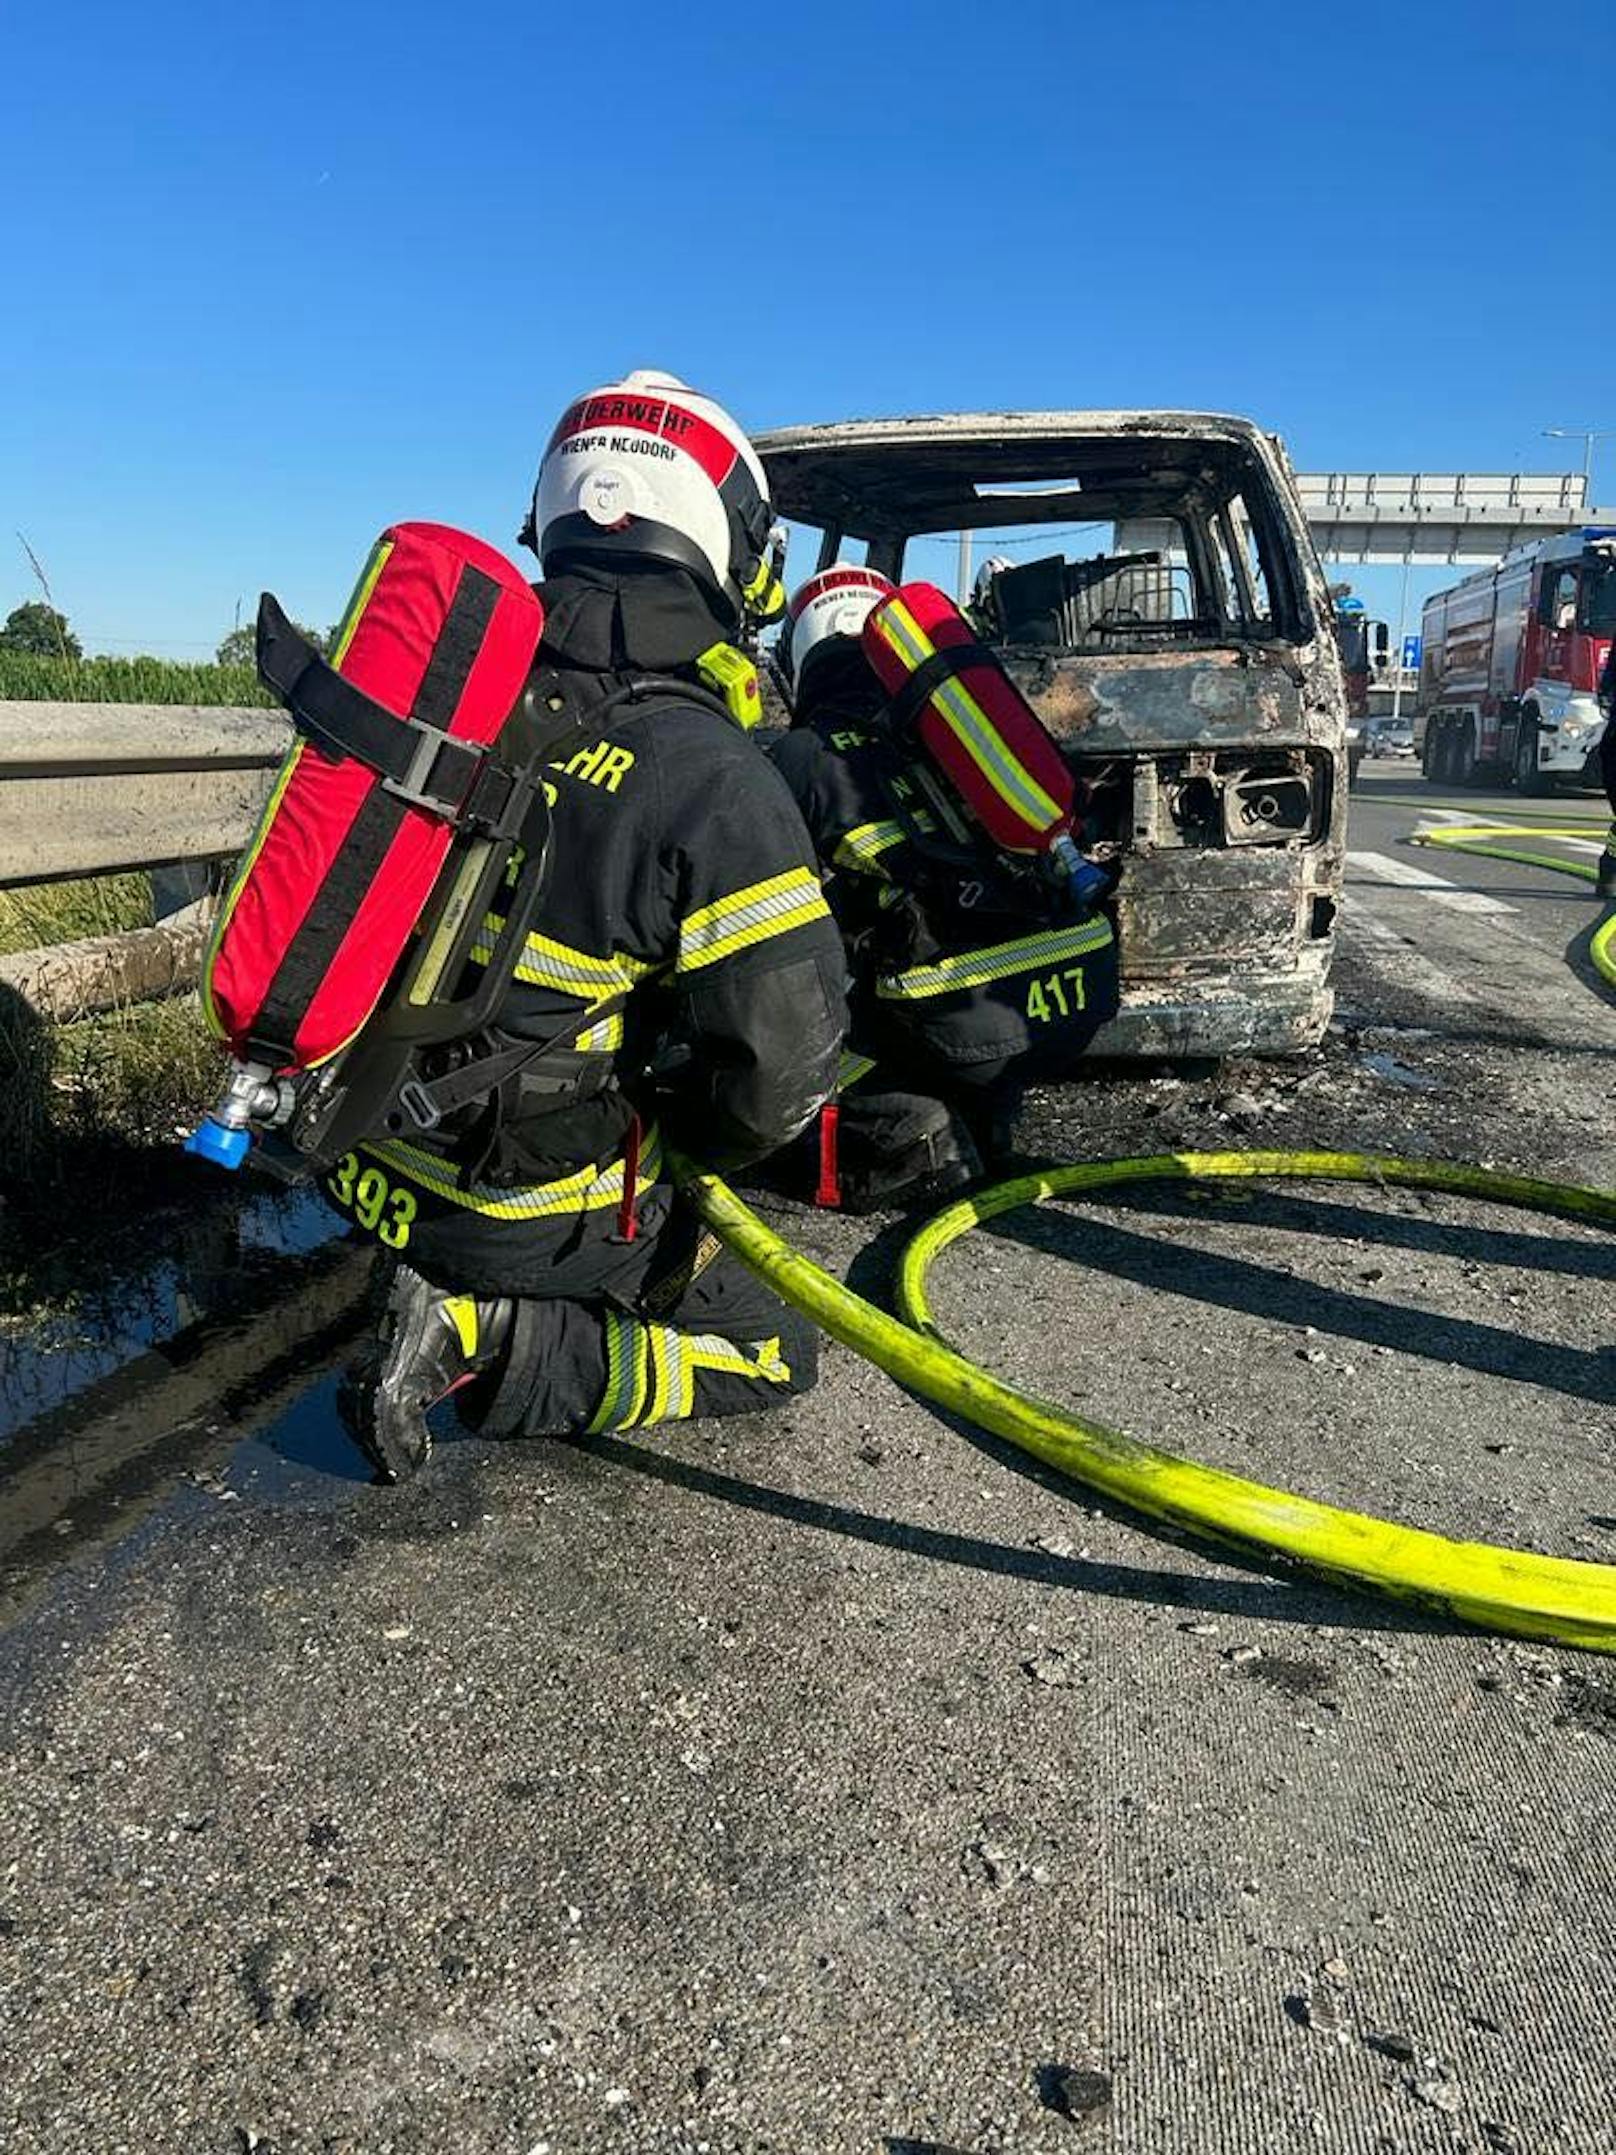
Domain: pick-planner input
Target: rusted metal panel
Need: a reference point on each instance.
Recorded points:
(1170, 699)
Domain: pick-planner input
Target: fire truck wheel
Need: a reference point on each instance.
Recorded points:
(1445, 748)
(1528, 778)
(1462, 755)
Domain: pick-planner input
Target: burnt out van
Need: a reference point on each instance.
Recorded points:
(1149, 579)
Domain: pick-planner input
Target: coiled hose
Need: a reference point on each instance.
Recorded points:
(1509, 1590)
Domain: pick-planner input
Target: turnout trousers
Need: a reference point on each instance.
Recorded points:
(610, 1331)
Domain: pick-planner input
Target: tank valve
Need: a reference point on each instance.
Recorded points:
(253, 1095)
(1083, 879)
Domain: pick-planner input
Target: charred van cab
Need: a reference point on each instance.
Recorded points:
(1179, 642)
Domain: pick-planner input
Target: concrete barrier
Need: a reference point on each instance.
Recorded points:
(104, 972)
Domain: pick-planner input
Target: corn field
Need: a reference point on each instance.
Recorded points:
(26, 678)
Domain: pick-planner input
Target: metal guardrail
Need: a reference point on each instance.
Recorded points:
(91, 788)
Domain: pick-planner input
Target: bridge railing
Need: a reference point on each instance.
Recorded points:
(90, 788)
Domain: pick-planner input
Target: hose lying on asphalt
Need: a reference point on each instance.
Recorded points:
(1473, 837)
(1509, 1590)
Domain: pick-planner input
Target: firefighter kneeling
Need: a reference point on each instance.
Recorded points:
(552, 1277)
(977, 970)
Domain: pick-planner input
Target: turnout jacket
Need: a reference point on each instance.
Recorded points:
(966, 961)
(683, 925)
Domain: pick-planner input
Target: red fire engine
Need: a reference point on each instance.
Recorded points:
(1509, 662)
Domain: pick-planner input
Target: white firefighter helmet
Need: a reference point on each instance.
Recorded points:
(833, 605)
(648, 469)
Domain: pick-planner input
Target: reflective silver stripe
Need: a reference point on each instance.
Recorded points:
(753, 915)
(624, 1362)
(975, 969)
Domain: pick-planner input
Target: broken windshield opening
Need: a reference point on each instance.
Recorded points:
(1203, 576)
(1114, 541)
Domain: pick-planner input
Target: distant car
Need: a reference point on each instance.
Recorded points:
(1391, 737)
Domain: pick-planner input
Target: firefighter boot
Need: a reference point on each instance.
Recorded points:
(427, 1345)
(899, 1148)
(1605, 880)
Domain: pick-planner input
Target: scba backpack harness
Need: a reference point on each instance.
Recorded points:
(378, 916)
(340, 952)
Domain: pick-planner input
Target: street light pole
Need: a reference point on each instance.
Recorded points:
(1588, 436)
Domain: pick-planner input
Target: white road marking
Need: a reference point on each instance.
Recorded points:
(1394, 957)
(1386, 870)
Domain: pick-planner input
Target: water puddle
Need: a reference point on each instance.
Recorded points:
(186, 1269)
(235, 1401)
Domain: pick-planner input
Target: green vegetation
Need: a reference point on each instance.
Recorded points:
(34, 626)
(49, 913)
(239, 648)
(28, 677)
(89, 1112)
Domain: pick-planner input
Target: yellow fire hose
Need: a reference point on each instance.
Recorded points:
(1475, 837)
(1508, 1590)
(1511, 1590)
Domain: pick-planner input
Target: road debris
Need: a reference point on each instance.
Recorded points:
(1050, 1667)
(1439, 2091)
(1320, 2009)
(1079, 2093)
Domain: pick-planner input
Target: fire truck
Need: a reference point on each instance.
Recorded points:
(1509, 663)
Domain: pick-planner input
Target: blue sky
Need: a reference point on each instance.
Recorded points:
(283, 275)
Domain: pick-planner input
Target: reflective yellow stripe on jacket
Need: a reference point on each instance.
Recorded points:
(591, 1189)
(568, 971)
(754, 915)
(977, 968)
(863, 846)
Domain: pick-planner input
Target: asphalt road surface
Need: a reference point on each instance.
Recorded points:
(837, 1780)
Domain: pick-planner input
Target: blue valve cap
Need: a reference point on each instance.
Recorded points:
(217, 1141)
(1088, 882)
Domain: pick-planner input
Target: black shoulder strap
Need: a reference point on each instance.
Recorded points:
(905, 704)
(418, 760)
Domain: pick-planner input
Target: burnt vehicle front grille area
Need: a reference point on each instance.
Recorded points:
(1203, 798)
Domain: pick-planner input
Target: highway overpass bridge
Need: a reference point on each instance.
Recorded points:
(1435, 517)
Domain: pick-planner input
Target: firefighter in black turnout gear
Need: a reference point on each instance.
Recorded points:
(683, 987)
(968, 984)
